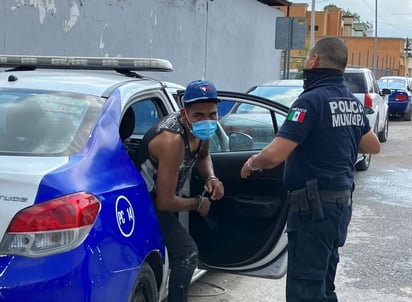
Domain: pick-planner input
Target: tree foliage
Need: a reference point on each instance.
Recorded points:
(356, 17)
(345, 12)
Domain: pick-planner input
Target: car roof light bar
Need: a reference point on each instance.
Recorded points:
(88, 63)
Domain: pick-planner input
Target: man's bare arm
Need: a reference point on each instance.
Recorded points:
(204, 166)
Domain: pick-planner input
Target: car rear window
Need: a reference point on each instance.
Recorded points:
(394, 84)
(45, 123)
(355, 82)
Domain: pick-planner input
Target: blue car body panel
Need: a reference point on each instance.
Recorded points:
(397, 106)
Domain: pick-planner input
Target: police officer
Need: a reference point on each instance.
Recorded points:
(325, 129)
(167, 154)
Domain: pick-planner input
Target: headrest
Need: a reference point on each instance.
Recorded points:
(127, 124)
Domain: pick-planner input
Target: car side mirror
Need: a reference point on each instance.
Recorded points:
(386, 91)
(239, 141)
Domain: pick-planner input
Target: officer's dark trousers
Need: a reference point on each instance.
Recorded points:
(183, 256)
(313, 252)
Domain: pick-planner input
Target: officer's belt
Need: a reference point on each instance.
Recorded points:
(335, 196)
(300, 203)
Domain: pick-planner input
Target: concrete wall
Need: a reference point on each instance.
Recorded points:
(230, 42)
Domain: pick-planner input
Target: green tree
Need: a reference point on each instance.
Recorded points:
(356, 17)
(329, 6)
(345, 12)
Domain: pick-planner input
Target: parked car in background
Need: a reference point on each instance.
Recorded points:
(362, 83)
(286, 92)
(401, 95)
(76, 220)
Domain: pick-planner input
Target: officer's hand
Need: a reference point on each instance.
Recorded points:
(247, 168)
(245, 171)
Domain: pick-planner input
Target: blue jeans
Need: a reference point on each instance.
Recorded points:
(313, 252)
(183, 255)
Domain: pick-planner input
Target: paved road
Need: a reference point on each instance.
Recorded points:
(376, 262)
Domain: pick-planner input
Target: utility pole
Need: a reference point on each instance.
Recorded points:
(407, 51)
(375, 47)
(312, 24)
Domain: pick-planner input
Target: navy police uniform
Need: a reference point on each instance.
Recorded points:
(327, 122)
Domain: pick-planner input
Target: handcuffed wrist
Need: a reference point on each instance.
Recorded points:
(211, 178)
(199, 202)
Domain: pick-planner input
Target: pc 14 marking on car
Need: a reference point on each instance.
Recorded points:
(125, 216)
(13, 198)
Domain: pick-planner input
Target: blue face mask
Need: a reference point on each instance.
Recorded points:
(204, 130)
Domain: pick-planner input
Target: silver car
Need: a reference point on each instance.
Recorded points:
(363, 84)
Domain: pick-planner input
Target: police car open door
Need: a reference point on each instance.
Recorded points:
(244, 232)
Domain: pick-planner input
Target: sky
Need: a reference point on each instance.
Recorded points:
(394, 16)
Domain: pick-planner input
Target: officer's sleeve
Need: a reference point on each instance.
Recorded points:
(300, 121)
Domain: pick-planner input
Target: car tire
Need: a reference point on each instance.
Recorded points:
(407, 114)
(145, 289)
(383, 135)
(363, 165)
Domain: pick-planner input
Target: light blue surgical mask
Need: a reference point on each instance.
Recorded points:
(204, 130)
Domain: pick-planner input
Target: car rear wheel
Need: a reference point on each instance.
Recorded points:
(407, 114)
(146, 287)
(363, 165)
(383, 135)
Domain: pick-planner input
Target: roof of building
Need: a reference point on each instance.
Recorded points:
(276, 2)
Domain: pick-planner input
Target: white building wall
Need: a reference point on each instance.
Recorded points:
(230, 42)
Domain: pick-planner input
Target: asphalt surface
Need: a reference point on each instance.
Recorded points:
(376, 262)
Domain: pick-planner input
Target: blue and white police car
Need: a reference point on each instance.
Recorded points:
(76, 220)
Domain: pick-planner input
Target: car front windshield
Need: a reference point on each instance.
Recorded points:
(45, 123)
(284, 95)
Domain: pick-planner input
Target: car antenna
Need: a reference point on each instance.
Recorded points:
(129, 73)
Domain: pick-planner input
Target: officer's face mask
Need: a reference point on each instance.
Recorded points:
(204, 129)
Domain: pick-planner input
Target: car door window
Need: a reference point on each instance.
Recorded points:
(246, 126)
(143, 115)
(146, 115)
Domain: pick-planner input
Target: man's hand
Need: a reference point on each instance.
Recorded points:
(204, 207)
(215, 188)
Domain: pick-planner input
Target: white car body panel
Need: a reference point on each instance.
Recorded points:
(19, 182)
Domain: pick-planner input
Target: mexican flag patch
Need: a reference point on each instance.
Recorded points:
(297, 115)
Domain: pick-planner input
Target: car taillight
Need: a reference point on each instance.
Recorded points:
(400, 97)
(51, 227)
(367, 102)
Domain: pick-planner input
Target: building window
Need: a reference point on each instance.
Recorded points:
(316, 27)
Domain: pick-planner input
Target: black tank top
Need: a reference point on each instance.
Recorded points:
(148, 168)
